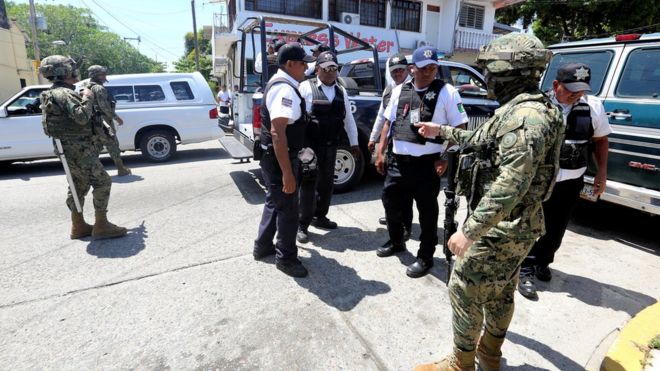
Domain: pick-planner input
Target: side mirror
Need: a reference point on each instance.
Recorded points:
(3, 112)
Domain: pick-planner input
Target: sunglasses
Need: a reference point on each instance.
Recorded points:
(329, 69)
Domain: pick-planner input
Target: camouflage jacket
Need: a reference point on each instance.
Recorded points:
(64, 112)
(104, 103)
(517, 173)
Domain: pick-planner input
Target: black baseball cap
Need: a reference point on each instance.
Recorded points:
(397, 61)
(326, 59)
(293, 52)
(278, 44)
(575, 76)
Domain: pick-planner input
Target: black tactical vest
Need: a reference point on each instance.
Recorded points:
(578, 128)
(295, 133)
(327, 119)
(387, 95)
(410, 100)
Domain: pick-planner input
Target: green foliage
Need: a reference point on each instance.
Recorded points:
(655, 342)
(83, 37)
(204, 44)
(187, 64)
(554, 21)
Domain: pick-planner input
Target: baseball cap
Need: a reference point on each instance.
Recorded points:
(326, 59)
(575, 76)
(321, 48)
(293, 52)
(397, 61)
(278, 44)
(424, 56)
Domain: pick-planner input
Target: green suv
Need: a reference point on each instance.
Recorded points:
(626, 77)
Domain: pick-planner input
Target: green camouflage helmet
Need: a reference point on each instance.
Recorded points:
(95, 70)
(514, 51)
(58, 67)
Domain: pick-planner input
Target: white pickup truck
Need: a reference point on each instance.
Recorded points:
(159, 111)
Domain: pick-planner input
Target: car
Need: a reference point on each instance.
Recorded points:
(160, 111)
(626, 78)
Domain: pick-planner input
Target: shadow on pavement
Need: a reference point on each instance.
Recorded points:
(560, 361)
(596, 293)
(124, 247)
(336, 285)
(249, 183)
(127, 178)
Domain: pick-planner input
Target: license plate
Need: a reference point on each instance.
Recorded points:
(587, 193)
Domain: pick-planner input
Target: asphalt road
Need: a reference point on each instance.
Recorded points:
(181, 290)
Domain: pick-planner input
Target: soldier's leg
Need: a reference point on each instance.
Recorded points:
(74, 154)
(467, 315)
(112, 145)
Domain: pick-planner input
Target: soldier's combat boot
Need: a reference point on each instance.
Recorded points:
(79, 228)
(121, 169)
(104, 229)
(489, 352)
(457, 361)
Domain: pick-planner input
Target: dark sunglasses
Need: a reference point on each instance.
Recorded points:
(329, 69)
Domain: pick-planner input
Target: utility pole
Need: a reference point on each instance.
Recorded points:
(35, 41)
(192, 3)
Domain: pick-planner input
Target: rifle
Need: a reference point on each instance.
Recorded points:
(451, 205)
(67, 171)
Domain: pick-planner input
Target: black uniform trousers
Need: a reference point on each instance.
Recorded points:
(409, 176)
(557, 213)
(280, 209)
(316, 191)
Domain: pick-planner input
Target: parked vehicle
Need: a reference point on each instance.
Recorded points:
(626, 77)
(159, 111)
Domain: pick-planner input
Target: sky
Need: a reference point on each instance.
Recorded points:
(161, 24)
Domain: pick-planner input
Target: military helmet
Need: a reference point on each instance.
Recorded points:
(514, 51)
(95, 70)
(58, 66)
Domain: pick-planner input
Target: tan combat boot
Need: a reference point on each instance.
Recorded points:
(489, 352)
(79, 228)
(104, 229)
(457, 361)
(121, 169)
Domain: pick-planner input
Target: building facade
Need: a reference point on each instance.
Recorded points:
(16, 69)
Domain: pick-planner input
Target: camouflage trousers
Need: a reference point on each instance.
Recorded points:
(482, 286)
(82, 155)
(110, 143)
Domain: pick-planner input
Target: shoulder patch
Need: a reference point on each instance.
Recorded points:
(509, 139)
(461, 109)
(286, 102)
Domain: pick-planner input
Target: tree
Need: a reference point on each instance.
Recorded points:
(554, 21)
(79, 35)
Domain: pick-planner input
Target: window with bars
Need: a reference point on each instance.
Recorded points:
(406, 15)
(472, 16)
(300, 8)
(372, 12)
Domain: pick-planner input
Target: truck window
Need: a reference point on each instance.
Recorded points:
(363, 75)
(27, 104)
(466, 82)
(641, 75)
(598, 61)
(121, 93)
(149, 93)
(181, 90)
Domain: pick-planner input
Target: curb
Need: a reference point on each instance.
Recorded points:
(627, 352)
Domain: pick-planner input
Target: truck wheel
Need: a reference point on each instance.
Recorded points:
(158, 145)
(348, 169)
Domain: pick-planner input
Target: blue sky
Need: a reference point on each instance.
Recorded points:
(161, 24)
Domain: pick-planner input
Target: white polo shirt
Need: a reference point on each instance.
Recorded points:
(329, 91)
(599, 121)
(448, 111)
(282, 100)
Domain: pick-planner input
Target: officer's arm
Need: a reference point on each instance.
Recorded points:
(378, 124)
(349, 121)
(516, 171)
(280, 144)
(103, 103)
(79, 109)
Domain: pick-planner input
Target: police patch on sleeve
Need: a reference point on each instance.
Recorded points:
(286, 102)
(508, 140)
(461, 109)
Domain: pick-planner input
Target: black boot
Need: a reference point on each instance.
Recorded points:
(543, 273)
(324, 223)
(389, 249)
(302, 235)
(419, 268)
(526, 285)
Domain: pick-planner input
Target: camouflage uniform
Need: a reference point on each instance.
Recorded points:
(506, 169)
(104, 110)
(67, 117)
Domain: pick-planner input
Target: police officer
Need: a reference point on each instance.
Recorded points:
(68, 117)
(586, 125)
(506, 168)
(104, 111)
(398, 67)
(330, 111)
(414, 164)
(316, 51)
(284, 119)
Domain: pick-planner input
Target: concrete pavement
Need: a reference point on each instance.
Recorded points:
(182, 291)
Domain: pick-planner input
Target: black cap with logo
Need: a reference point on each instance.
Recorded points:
(397, 61)
(326, 59)
(575, 76)
(293, 52)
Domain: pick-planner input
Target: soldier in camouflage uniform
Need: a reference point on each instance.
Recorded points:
(507, 168)
(104, 111)
(67, 117)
